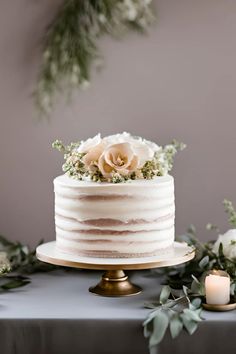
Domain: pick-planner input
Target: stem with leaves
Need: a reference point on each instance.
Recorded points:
(182, 313)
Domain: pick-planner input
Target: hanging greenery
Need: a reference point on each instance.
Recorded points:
(71, 47)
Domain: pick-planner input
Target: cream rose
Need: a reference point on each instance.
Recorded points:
(119, 153)
(144, 149)
(228, 241)
(90, 160)
(118, 158)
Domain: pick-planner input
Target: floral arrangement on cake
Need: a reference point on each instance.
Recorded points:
(117, 158)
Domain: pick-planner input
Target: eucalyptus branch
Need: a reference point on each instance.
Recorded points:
(178, 314)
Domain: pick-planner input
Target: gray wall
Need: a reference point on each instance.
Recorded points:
(177, 82)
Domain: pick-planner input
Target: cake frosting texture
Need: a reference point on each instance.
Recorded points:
(130, 219)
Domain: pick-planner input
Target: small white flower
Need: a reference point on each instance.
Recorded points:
(131, 14)
(85, 84)
(102, 18)
(228, 241)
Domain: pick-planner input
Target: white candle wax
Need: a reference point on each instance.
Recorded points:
(217, 289)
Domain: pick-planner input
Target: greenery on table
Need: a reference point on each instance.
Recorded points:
(177, 313)
(179, 306)
(70, 46)
(17, 262)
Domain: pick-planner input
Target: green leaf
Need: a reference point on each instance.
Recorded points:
(220, 250)
(204, 262)
(189, 324)
(176, 325)
(14, 283)
(165, 293)
(196, 303)
(185, 290)
(192, 315)
(5, 242)
(160, 325)
(152, 305)
(148, 328)
(197, 287)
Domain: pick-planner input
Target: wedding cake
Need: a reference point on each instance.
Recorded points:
(116, 198)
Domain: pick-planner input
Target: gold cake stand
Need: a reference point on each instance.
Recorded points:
(115, 282)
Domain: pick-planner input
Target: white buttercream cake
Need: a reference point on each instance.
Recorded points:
(129, 219)
(115, 213)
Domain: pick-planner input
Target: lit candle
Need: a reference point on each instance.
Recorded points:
(217, 288)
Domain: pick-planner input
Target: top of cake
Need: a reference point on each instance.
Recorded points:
(117, 158)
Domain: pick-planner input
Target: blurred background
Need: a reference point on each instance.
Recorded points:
(179, 82)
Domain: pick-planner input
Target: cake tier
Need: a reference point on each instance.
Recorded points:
(129, 219)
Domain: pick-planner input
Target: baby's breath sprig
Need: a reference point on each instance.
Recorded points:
(163, 160)
(230, 210)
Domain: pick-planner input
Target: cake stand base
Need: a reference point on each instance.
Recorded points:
(115, 283)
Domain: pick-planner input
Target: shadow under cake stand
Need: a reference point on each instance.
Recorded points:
(115, 282)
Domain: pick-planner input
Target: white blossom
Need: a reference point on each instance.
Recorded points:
(228, 241)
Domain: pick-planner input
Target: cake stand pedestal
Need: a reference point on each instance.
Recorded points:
(115, 282)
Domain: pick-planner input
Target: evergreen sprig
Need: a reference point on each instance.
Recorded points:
(71, 48)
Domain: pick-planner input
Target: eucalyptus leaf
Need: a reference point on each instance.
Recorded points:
(160, 325)
(196, 303)
(192, 315)
(165, 293)
(189, 324)
(152, 305)
(148, 328)
(204, 262)
(176, 325)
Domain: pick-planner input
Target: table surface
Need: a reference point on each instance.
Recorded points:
(58, 312)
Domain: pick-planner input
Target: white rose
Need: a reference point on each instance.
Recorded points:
(90, 143)
(143, 151)
(228, 241)
(117, 138)
(153, 146)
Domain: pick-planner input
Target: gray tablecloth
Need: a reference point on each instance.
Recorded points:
(56, 314)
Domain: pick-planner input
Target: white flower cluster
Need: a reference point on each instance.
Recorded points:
(117, 158)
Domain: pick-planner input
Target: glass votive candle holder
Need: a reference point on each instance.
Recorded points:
(217, 287)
